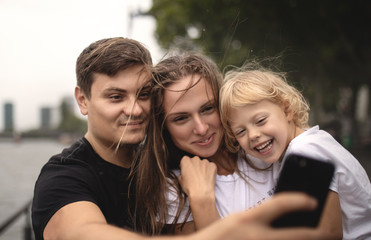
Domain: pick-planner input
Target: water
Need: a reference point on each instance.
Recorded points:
(20, 164)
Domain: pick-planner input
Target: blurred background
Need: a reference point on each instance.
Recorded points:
(323, 46)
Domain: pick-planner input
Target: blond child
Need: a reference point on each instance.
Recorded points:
(268, 119)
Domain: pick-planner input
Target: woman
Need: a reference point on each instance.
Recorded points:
(186, 122)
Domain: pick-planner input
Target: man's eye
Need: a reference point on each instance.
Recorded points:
(115, 97)
(144, 95)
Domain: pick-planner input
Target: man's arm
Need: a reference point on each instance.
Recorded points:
(331, 221)
(84, 220)
(256, 223)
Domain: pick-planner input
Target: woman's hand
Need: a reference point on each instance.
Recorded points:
(197, 178)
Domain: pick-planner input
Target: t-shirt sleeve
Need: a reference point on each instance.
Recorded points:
(56, 187)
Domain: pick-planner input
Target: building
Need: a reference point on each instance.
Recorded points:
(49, 118)
(8, 117)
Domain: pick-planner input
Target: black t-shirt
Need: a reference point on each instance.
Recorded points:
(80, 174)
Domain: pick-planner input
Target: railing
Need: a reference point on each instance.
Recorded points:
(27, 229)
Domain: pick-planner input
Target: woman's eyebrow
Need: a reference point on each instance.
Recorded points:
(212, 101)
(176, 113)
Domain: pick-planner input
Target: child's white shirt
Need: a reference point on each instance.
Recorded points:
(350, 180)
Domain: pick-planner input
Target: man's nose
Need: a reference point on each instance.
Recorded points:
(132, 107)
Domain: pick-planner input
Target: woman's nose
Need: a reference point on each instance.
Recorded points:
(200, 127)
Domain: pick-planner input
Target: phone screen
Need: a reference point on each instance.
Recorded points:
(305, 175)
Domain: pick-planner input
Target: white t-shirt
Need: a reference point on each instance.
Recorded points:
(350, 179)
(232, 192)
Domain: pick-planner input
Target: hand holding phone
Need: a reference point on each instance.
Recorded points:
(307, 175)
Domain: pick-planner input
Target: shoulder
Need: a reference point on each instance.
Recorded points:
(316, 143)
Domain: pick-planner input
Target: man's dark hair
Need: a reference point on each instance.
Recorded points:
(109, 56)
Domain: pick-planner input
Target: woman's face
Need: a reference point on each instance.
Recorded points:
(192, 117)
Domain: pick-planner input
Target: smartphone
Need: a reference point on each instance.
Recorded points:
(307, 175)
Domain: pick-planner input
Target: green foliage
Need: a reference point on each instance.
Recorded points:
(70, 123)
(320, 41)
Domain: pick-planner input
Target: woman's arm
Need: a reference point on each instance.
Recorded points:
(197, 179)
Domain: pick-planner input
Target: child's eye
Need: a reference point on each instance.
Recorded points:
(239, 132)
(261, 121)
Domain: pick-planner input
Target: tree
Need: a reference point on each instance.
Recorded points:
(325, 44)
(70, 123)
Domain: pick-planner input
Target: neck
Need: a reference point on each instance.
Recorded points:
(121, 156)
(225, 162)
(296, 132)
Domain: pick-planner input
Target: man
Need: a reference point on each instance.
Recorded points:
(85, 192)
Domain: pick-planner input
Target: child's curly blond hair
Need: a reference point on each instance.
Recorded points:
(242, 86)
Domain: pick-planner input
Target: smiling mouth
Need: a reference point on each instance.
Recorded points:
(133, 124)
(205, 141)
(262, 148)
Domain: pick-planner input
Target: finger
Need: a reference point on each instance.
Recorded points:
(292, 233)
(283, 203)
(184, 160)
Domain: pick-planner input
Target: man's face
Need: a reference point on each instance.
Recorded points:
(118, 108)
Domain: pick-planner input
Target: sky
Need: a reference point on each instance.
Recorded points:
(40, 41)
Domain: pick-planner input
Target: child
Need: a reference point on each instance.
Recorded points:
(268, 118)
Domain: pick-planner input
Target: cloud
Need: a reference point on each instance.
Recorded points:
(41, 40)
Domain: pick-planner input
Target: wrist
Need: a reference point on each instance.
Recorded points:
(202, 200)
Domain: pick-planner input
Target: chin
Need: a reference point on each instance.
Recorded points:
(131, 141)
(206, 155)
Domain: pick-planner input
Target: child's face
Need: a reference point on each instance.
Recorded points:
(263, 130)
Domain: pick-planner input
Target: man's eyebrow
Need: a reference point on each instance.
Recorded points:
(146, 87)
(114, 89)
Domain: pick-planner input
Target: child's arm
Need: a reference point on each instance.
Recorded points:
(331, 221)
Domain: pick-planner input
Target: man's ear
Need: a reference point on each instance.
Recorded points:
(81, 100)
(288, 111)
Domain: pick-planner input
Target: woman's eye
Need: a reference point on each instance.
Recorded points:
(179, 119)
(208, 109)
